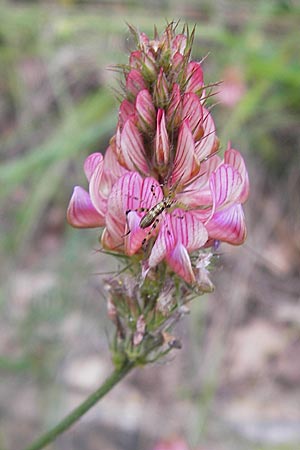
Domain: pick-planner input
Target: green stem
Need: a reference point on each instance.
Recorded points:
(108, 384)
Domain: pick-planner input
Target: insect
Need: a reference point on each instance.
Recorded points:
(152, 215)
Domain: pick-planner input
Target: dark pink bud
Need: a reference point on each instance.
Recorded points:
(192, 110)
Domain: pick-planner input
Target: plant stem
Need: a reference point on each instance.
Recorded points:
(71, 418)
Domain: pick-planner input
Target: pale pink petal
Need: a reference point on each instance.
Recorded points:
(192, 110)
(145, 110)
(164, 243)
(194, 77)
(162, 144)
(184, 163)
(81, 212)
(110, 242)
(226, 185)
(132, 148)
(134, 234)
(179, 261)
(98, 199)
(187, 229)
(91, 163)
(234, 158)
(228, 225)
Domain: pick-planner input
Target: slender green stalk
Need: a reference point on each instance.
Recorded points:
(108, 384)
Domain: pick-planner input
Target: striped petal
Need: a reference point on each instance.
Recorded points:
(132, 148)
(228, 225)
(226, 186)
(234, 158)
(185, 162)
(91, 163)
(81, 212)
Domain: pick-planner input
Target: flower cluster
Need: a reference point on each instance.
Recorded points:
(161, 191)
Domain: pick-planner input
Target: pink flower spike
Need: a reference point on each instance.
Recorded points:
(185, 161)
(235, 159)
(135, 82)
(228, 225)
(145, 110)
(162, 144)
(91, 163)
(194, 77)
(132, 148)
(81, 212)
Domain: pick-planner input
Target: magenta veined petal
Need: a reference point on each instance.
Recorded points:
(184, 163)
(91, 163)
(179, 261)
(226, 186)
(178, 229)
(228, 225)
(132, 148)
(234, 158)
(98, 199)
(206, 144)
(81, 212)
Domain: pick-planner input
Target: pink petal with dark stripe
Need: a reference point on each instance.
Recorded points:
(192, 111)
(91, 163)
(81, 212)
(226, 186)
(184, 163)
(205, 146)
(228, 225)
(132, 148)
(194, 77)
(162, 144)
(145, 110)
(234, 158)
(179, 261)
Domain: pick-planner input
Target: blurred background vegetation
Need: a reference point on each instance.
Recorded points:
(235, 385)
